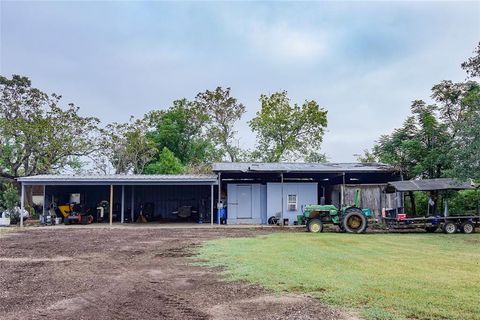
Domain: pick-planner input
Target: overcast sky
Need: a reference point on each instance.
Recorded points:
(362, 61)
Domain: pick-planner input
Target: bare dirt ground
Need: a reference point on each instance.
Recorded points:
(131, 273)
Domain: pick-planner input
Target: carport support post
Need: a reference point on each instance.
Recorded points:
(44, 200)
(111, 205)
(219, 195)
(123, 204)
(22, 205)
(281, 212)
(211, 205)
(132, 204)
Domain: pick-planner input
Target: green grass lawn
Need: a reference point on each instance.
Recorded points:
(385, 276)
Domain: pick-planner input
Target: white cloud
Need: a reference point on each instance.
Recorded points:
(284, 42)
(275, 39)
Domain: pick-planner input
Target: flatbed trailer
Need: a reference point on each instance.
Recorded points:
(397, 219)
(451, 224)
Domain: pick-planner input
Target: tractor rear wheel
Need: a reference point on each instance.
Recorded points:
(315, 225)
(354, 221)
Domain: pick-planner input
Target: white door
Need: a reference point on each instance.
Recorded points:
(244, 200)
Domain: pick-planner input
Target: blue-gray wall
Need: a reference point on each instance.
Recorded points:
(307, 193)
(246, 203)
(254, 203)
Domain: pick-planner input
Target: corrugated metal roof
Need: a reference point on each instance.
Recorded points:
(300, 167)
(119, 179)
(431, 184)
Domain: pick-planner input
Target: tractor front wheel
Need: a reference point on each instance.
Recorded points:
(315, 225)
(354, 221)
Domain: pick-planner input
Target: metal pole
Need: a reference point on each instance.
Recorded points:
(44, 200)
(111, 205)
(132, 205)
(219, 194)
(123, 205)
(22, 205)
(211, 205)
(281, 212)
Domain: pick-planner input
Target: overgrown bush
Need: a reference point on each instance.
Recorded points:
(8, 197)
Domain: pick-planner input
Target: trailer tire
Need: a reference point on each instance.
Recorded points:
(354, 221)
(449, 228)
(431, 229)
(315, 225)
(467, 227)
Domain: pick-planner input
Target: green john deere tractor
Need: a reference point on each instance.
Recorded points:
(351, 219)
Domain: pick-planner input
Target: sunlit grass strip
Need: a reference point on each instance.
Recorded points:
(387, 276)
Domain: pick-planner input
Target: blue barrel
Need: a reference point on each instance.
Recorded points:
(222, 216)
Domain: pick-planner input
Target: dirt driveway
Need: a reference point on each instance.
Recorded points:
(131, 273)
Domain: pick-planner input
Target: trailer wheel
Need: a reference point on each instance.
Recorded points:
(449, 228)
(354, 221)
(315, 225)
(431, 229)
(467, 227)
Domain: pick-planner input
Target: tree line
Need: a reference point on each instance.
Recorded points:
(39, 136)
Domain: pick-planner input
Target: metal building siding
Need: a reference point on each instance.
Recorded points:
(256, 202)
(307, 193)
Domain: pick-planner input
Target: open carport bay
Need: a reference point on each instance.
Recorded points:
(178, 198)
(157, 202)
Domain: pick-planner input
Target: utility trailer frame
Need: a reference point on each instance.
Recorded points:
(432, 223)
(392, 219)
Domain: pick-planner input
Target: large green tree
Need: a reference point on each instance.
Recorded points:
(182, 130)
(421, 147)
(287, 131)
(166, 163)
(125, 146)
(37, 135)
(223, 112)
(467, 141)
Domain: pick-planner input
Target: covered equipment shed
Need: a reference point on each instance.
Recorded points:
(157, 197)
